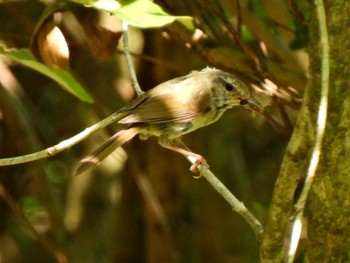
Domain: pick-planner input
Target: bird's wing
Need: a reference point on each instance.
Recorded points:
(166, 103)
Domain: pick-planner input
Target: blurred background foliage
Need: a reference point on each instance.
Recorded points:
(142, 204)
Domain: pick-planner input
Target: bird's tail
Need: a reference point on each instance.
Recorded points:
(106, 149)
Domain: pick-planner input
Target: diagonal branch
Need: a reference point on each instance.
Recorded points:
(63, 145)
(236, 205)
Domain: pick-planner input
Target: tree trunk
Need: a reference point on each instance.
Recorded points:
(328, 218)
(327, 212)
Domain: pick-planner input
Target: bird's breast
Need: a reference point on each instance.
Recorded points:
(207, 117)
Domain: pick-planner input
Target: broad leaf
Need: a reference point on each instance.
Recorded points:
(138, 13)
(62, 77)
(145, 14)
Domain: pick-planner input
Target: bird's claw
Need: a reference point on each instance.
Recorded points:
(194, 168)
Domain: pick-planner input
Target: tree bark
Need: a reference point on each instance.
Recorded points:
(328, 217)
(327, 212)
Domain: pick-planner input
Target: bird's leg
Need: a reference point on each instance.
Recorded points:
(178, 146)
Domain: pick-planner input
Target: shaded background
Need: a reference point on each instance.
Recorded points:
(143, 204)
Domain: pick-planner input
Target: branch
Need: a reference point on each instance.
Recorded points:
(129, 60)
(63, 145)
(236, 205)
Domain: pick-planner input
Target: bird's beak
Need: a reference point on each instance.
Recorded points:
(251, 104)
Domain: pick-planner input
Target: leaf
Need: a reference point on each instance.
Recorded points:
(146, 14)
(138, 13)
(62, 77)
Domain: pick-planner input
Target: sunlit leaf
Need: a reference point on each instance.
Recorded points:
(138, 13)
(145, 14)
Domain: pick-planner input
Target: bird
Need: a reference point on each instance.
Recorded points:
(174, 108)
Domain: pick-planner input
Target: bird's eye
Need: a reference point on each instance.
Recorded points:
(229, 87)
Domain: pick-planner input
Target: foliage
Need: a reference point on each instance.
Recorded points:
(140, 13)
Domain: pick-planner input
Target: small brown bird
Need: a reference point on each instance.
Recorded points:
(174, 108)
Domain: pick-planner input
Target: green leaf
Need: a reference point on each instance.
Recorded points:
(62, 77)
(138, 13)
(146, 14)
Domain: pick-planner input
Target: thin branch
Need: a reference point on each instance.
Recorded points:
(63, 145)
(129, 60)
(320, 130)
(236, 205)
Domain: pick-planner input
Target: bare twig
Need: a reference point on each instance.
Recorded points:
(129, 60)
(236, 205)
(320, 129)
(63, 145)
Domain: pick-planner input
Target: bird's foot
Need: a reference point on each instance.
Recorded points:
(199, 160)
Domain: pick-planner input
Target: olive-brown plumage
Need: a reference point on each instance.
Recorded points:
(174, 108)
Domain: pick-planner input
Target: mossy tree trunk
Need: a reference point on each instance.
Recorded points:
(327, 212)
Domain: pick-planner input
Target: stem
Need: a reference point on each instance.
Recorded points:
(236, 205)
(129, 60)
(63, 145)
